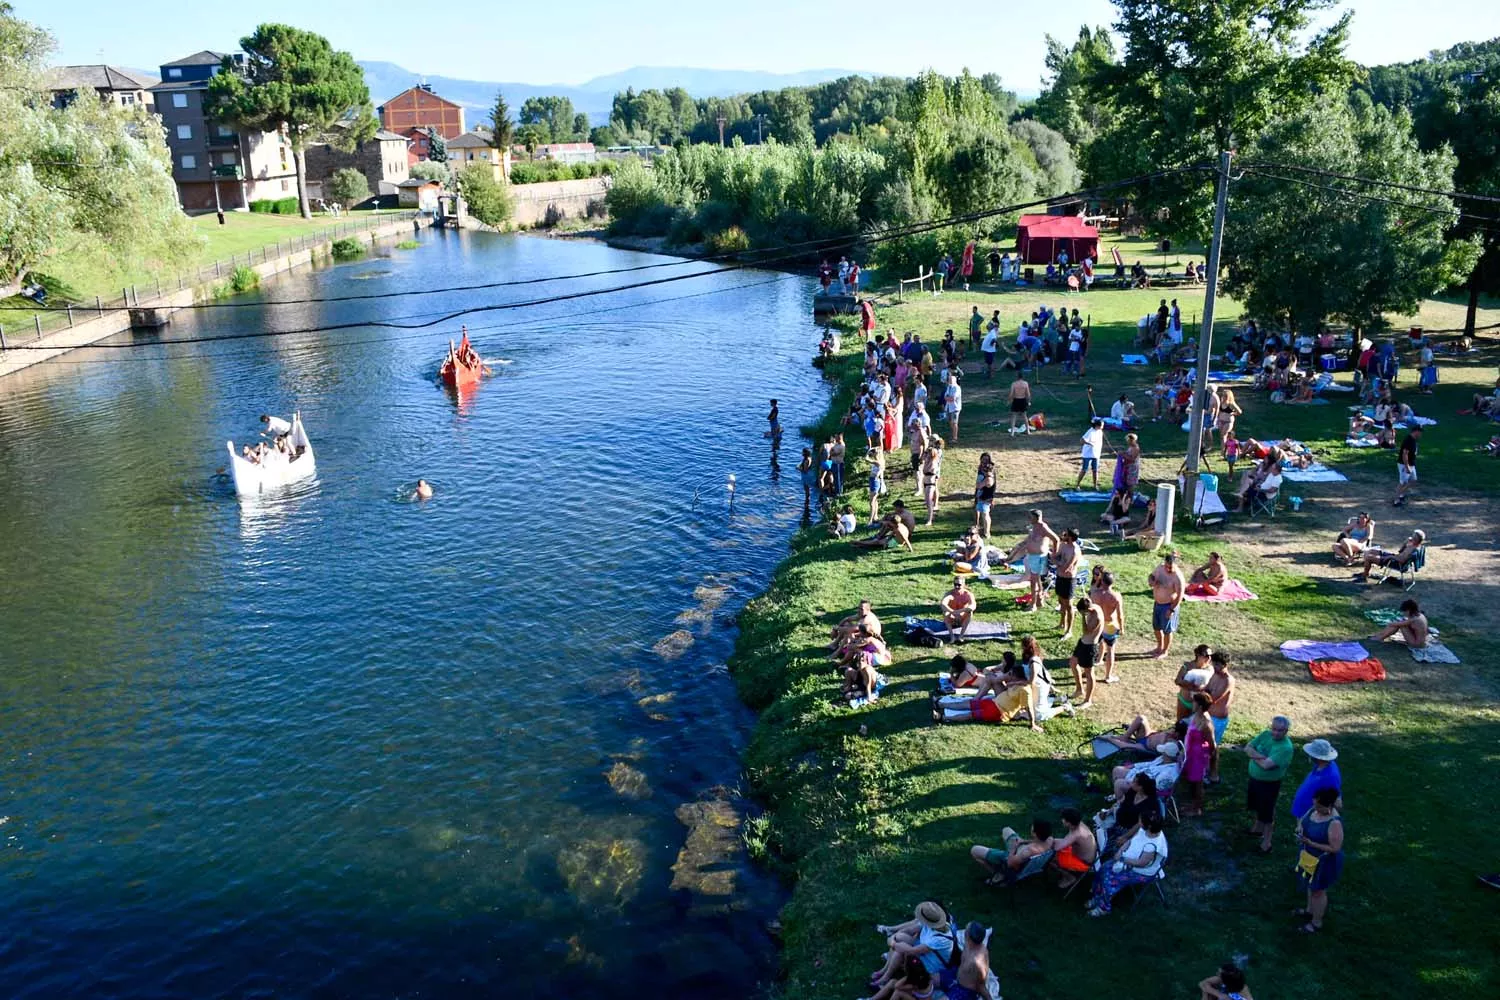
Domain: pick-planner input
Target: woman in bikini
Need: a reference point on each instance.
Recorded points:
(1354, 539)
(984, 494)
(932, 473)
(1228, 410)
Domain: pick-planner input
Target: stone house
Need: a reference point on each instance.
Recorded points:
(382, 159)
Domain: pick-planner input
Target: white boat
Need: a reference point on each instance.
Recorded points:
(276, 469)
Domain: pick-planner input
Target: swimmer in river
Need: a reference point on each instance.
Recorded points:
(423, 490)
(774, 419)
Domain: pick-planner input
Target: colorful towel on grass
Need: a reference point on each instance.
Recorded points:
(862, 701)
(1346, 671)
(1390, 616)
(1111, 424)
(1133, 359)
(1233, 590)
(1434, 652)
(1085, 496)
(1229, 377)
(978, 631)
(1363, 441)
(1315, 473)
(1011, 581)
(1308, 650)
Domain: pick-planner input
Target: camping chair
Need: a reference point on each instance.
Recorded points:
(1264, 501)
(1083, 877)
(1208, 507)
(1406, 571)
(1143, 889)
(1035, 865)
(1167, 799)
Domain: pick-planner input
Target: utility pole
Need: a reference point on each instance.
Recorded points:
(1206, 336)
(759, 120)
(721, 120)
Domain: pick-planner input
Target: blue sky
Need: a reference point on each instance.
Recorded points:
(509, 40)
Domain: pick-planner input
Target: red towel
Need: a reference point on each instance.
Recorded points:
(1346, 671)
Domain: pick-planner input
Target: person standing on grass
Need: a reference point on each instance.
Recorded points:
(1167, 590)
(1034, 550)
(1406, 465)
(976, 325)
(1020, 402)
(1221, 690)
(1325, 774)
(1067, 568)
(1199, 753)
(1093, 444)
(932, 474)
(1321, 836)
(1270, 755)
(1112, 605)
(1086, 651)
(876, 458)
(988, 348)
(953, 403)
(984, 494)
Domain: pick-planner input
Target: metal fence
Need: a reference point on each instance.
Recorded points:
(52, 319)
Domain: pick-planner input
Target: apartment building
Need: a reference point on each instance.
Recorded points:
(110, 83)
(216, 165)
(479, 147)
(419, 107)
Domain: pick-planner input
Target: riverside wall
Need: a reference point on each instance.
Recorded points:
(567, 199)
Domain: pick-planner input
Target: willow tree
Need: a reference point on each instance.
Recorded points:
(293, 80)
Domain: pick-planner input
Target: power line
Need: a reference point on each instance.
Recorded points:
(1451, 210)
(1379, 183)
(878, 237)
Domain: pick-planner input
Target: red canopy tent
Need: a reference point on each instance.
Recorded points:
(1039, 238)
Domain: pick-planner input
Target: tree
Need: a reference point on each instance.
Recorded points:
(553, 114)
(791, 117)
(1193, 83)
(487, 199)
(532, 136)
(348, 186)
(604, 136)
(431, 170)
(1054, 158)
(1070, 102)
(93, 178)
(1466, 118)
(500, 123)
(1311, 253)
(293, 80)
(437, 148)
(580, 127)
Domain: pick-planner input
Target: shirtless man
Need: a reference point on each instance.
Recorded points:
(972, 980)
(862, 620)
(1113, 607)
(1020, 402)
(958, 608)
(1086, 651)
(1067, 568)
(1034, 549)
(423, 490)
(1167, 590)
(1207, 580)
(896, 526)
(1220, 688)
(1076, 852)
(1376, 556)
(1413, 628)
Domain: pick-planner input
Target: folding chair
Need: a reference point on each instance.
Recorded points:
(1167, 799)
(1035, 865)
(1083, 877)
(1264, 502)
(1406, 572)
(1142, 888)
(1208, 506)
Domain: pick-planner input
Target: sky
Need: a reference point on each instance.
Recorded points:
(508, 40)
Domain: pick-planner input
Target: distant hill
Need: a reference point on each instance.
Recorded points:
(595, 97)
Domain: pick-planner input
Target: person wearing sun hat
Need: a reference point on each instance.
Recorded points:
(1325, 774)
(929, 937)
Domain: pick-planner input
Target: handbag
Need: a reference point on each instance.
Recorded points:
(1307, 864)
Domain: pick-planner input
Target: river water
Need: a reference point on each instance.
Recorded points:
(341, 744)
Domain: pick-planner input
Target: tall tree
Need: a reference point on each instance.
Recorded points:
(500, 123)
(1196, 80)
(1465, 117)
(1069, 102)
(791, 117)
(437, 147)
(580, 127)
(553, 114)
(293, 80)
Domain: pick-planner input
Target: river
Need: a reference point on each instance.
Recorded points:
(342, 744)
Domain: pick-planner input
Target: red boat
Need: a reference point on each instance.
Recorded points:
(462, 367)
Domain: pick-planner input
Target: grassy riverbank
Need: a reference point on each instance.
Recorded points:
(874, 810)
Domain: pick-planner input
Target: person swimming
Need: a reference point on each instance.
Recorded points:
(423, 490)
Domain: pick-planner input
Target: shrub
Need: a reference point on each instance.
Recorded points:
(553, 215)
(429, 170)
(242, 279)
(596, 209)
(487, 198)
(348, 186)
(407, 245)
(347, 248)
(730, 240)
(276, 206)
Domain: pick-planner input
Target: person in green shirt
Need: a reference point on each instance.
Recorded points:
(976, 324)
(1270, 755)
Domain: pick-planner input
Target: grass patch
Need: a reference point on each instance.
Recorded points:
(874, 810)
(408, 245)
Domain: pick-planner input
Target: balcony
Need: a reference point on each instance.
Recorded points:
(217, 141)
(229, 171)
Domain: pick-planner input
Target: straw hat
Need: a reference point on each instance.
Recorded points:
(932, 915)
(1320, 750)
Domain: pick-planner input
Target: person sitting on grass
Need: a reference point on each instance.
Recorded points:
(963, 673)
(896, 528)
(1117, 515)
(1358, 535)
(1005, 863)
(970, 549)
(957, 606)
(1413, 628)
(862, 643)
(1207, 580)
(1147, 527)
(1229, 984)
(863, 620)
(1075, 853)
(1138, 863)
(971, 980)
(1005, 700)
(845, 525)
(1164, 769)
(929, 937)
(912, 982)
(1376, 556)
(861, 679)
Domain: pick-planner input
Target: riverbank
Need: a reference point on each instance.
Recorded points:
(872, 810)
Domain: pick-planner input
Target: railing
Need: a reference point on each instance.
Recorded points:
(52, 319)
(923, 275)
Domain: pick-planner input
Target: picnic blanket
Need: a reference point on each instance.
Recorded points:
(1363, 441)
(1315, 473)
(1229, 377)
(1390, 616)
(1085, 496)
(978, 631)
(1434, 652)
(1111, 424)
(1011, 581)
(1233, 590)
(1346, 671)
(1133, 359)
(1308, 650)
(862, 701)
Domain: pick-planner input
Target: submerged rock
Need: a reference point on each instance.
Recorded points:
(711, 861)
(602, 873)
(673, 645)
(627, 782)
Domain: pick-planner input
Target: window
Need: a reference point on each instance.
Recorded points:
(179, 100)
(189, 161)
(174, 73)
(484, 156)
(127, 99)
(228, 159)
(286, 185)
(184, 131)
(225, 132)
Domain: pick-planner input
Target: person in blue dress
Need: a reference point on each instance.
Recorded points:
(1321, 860)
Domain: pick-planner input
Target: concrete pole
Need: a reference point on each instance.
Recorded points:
(1206, 335)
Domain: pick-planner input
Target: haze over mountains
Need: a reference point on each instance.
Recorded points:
(594, 97)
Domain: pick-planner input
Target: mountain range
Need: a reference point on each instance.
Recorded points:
(594, 97)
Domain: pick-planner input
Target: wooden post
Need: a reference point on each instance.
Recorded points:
(70, 314)
(2, 336)
(37, 318)
(99, 305)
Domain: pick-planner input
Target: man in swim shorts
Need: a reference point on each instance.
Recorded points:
(1207, 580)
(1220, 688)
(1086, 650)
(1112, 605)
(1075, 853)
(1067, 569)
(1033, 550)
(958, 608)
(1167, 590)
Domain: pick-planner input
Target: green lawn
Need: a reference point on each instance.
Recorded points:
(871, 811)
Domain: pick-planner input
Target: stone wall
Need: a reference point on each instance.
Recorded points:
(569, 199)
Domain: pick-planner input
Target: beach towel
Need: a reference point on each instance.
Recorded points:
(1011, 581)
(1229, 377)
(1307, 650)
(978, 631)
(1133, 359)
(1085, 496)
(862, 701)
(1346, 671)
(1363, 441)
(1390, 616)
(1315, 473)
(1434, 652)
(1233, 590)
(1111, 424)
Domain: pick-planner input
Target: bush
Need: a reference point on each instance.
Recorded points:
(348, 248)
(276, 206)
(407, 245)
(348, 186)
(428, 170)
(242, 279)
(487, 198)
(528, 172)
(731, 240)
